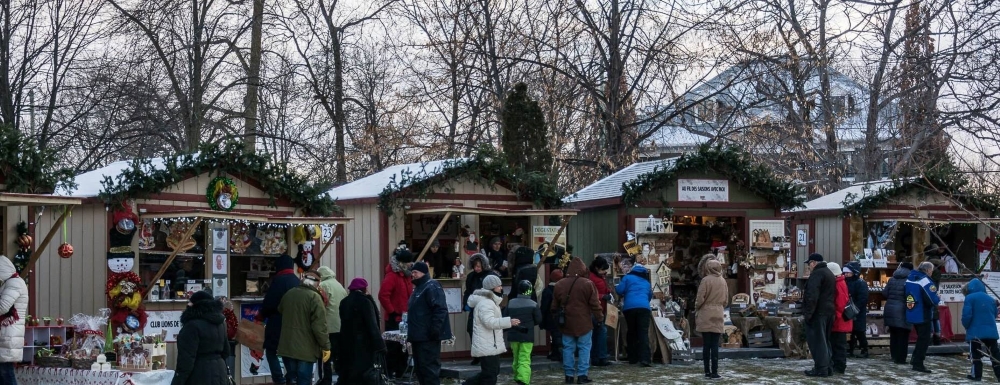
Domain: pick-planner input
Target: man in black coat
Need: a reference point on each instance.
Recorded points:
(428, 325)
(359, 334)
(202, 345)
(818, 311)
(283, 281)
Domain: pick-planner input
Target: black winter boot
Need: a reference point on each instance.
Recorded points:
(569, 380)
(583, 380)
(864, 353)
(977, 371)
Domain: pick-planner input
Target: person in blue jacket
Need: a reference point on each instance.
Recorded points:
(637, 292)
(921, 299)
(283, 281)
(979, 319)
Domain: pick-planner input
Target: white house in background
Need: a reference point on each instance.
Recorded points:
(751, 94)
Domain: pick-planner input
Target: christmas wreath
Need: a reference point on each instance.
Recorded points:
(222, 194)
(125, 297)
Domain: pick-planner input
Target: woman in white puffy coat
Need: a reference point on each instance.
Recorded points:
(13, 309)
(487, 330)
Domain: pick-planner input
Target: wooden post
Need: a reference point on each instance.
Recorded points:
(433, 236)
(170, 259)
(552, 245)
(48, 237)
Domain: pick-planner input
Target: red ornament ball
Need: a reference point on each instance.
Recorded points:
(65, 250)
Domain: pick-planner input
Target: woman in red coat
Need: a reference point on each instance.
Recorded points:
(599, 353)
(841, 327)
(394, 296)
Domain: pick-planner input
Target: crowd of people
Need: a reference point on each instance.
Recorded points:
(312, 319)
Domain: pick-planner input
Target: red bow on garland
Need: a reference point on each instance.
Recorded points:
(984, 245)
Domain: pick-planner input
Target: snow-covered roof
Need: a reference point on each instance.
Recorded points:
(611, 186)
(835, 200)
(88, 184)
(371, 186)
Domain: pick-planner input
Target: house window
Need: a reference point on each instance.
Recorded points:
(842, 104)
(706, 111)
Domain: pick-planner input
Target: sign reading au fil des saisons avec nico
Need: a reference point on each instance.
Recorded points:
(703, 190)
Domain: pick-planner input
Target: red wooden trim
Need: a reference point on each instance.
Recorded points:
(168, 208)
(714, 213)
(200, 198)
(339, 254)
(924, 207)
(31, 282)
(709, 205)
(622, 227)
(473, 197)
(596, 203)
(962, 216)
(383, 237)
(811, 235)
(846, 229)
(814, 213)
(426, 205)
(356, 201)
(504, 207)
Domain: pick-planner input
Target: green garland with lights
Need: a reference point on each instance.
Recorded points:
(487, 168)
(941, 179)
(142, 180)
(731, 163)
(24, 168)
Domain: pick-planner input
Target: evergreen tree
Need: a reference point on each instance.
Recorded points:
(524, 134)
(922, 140)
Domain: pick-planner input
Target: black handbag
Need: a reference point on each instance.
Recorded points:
(561, 313)
(850, 311)
(376, 375)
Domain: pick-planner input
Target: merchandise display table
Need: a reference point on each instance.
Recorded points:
(790, 337)
(35, 375)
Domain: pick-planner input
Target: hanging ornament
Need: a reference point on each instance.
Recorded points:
(24, 240)
(65, 249)
(222, 194)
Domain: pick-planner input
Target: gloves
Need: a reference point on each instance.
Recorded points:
(326, 355)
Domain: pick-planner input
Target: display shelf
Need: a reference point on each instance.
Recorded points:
(155, 252)
(43, 333)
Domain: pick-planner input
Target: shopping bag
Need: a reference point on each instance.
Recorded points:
(251, 335)
(611, 316)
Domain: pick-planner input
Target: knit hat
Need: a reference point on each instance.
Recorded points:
(421, 267)
(816, 257)
(555, 275)
(491, 282)
(907, 265)
(200, 296)
(835, 268)
(284, 262)
(404, 256)
(854, 267)
(358, 284)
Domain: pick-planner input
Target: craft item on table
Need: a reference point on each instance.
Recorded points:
(631, 247)
(147, 235)
(222, 194)
(769, 276)
(89, 332)
(458, 269)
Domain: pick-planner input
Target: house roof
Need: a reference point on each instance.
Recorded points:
(611, 186)
(404, 174)
(88, 184)
(836, 199)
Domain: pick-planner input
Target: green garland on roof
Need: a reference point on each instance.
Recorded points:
(24, 168)
(731, 163)
(141, 180)
(487, 168)
(945, 179)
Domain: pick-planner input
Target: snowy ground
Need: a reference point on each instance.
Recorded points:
(876, 370)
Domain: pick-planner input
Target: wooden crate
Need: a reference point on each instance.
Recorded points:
(760, 337)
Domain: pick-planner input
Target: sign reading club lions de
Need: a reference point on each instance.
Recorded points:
(703, 190)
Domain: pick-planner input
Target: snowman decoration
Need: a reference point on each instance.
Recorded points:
(121, 258)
